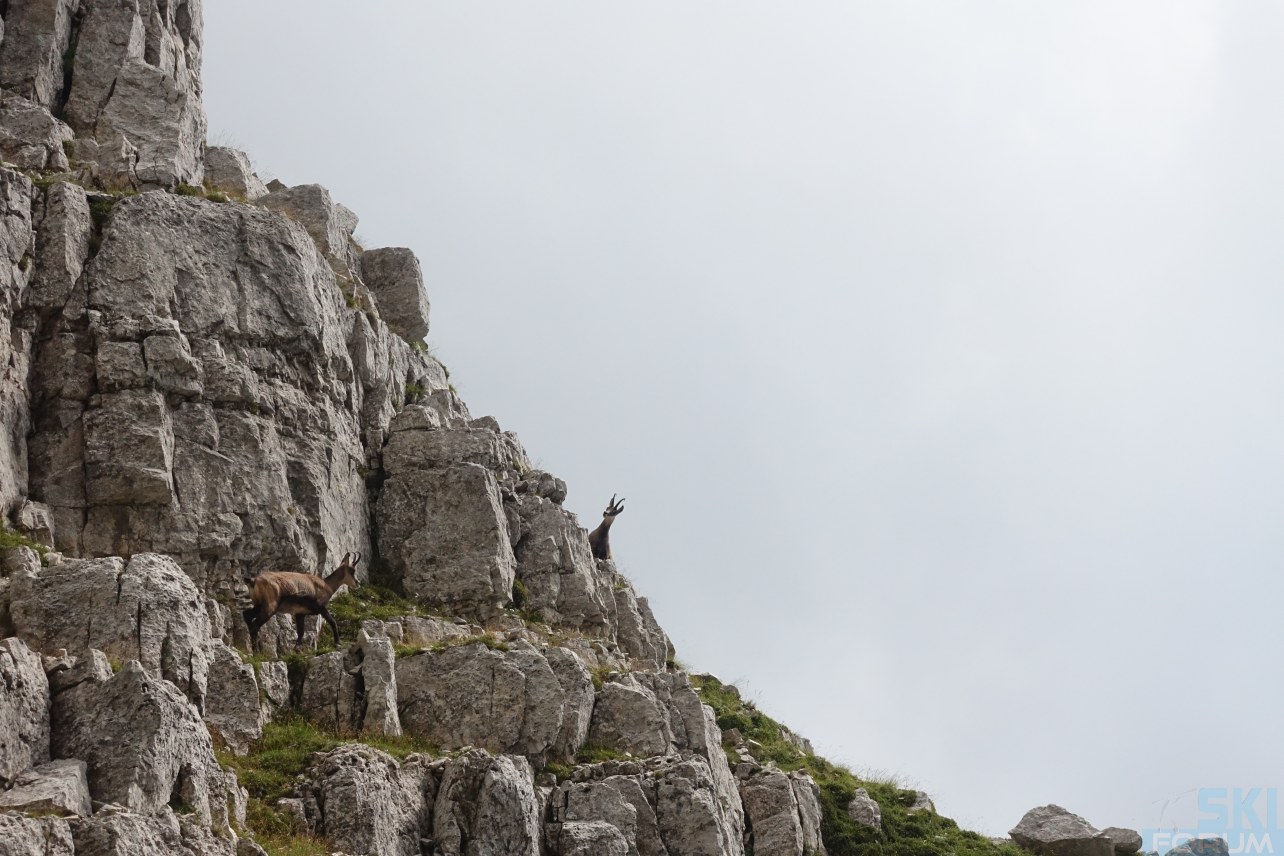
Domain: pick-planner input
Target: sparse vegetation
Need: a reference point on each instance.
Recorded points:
(590, 754)
(14, 538)
(904, 833)
(414, 390)
(519, 594)
(275, 761)
(490, 640)
(599, 676)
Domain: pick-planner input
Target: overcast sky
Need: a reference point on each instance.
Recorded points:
(936, 346)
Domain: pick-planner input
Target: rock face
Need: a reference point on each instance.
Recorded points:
(24, 710)
(34, 836)
(505, 701)
(393, 274)
(864, 810)
(363, 801)
(59, 788)
(486, 806)
(145, 609)
(1054, 831)
(142, 740)
(1126, 841)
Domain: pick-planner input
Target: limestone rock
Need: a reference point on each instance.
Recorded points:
(591, 838)
(629, 718)
(807, 794)
(379, 685)
(486, 806)
(36, 36)
(865, 810)
(59, 787)
(636, 628)
(274, 681)
(115, 831)
(146, 609)
(24, 710)
(577, 707)
(554, 562)
(30, 137)
(331, 225)
(363, 801)
(394, 275)
(443, 533)
(1051, 830)
(143, 742)
(661, 806)
(21, 835)
(505, 701)
(1126, 841)
(922, 802)
(36, 521)
(16, 342)
(136, 92)
(771, 814)
(232, 705)
(329, 695)
(229, 170)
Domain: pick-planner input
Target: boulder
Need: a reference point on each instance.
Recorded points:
(591, 838)
(1126, 841)
(1211, 846)
(362, 801)
(1053, 831)
(16, 342)
(554, 562)
(230, 171)
(36, 37)
(444, 534)
(233, 708)
(30, 137)
(865, 810)
(394, 275)
(330, 224)
(24, 710)
(379, 685)
(145, 609)
(329, 695)
(21, 835)
(59, 788)
(143, 742)
(486, 806)
(505, 701)
(771, 814)
(115, 831)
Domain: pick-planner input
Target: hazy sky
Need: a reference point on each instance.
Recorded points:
(936, 346)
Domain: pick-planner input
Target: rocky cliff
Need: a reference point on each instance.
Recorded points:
(203, 378)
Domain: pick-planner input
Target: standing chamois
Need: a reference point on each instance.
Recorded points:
(299, 595)
(600, 538)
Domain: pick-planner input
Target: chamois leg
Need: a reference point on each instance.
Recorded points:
(254, 621)
(298, 630)
(334, 626)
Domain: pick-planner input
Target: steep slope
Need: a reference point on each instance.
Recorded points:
(205, 378)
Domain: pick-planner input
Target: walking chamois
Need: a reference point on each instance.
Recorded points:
(600, 538)
(299, 595)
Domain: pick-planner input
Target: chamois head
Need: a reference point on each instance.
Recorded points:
(614, 508)
(348, 568)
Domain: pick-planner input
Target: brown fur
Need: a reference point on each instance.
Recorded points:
(299, 595)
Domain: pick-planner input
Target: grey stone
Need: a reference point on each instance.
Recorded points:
(394, 275)
(771, 813)
(563, 585)
(36, 35)
(486, 806)
(577, 706)
(628, 717)
(59, 787)
(232, 705)
(21, 835)
(62, 246)
(443, 532)
(865, 810)
(1126, 841)
(36, 521)
(363, 801)
(146, 609)
(329, 692)
(591, 838)
(230, 171)
(379, 684)
(30, 137)
(24, 710)
(807, 793)
(330, 224)
(1051, 830)
(274, 680)
(1211, 846)
(922, 802)
(505, 701)
(116, 831)
(170, 366)
(16, 342)
(129, 450)
(143, 742)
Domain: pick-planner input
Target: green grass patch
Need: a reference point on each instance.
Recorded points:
(490, 640)
(561, 772)
(598, 754)
(904, 833)
(10, 538)
(599, 674)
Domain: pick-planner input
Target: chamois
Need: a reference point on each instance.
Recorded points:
(299, 595)
(600, 538)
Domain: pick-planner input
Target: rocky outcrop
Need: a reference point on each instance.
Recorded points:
(114, 831)
(362, 801)
(57, 788)
(145, 609)
(1051, 830)
(774, 821)
(510, 701)
(394, 275)
(24, 710)
(563, 585)
(229, 170)
(21, 835)
(486, 806)
(865, 810)
(1126, 841)
(660, 806)
(143, 743)
(233, 709)
(16, 337)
